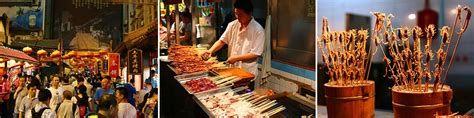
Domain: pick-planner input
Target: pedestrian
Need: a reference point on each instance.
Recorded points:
(105, 89)
(28, 102)
(152, 79)
(4, 95)
(20, 93)
(42, 110)
(150, 108)
(132, 92)
(67, 109)
(56, 92)
(107, 107)
(66, 85)
(125, 109)
(82, 100)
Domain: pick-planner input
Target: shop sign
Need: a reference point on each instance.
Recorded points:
(114, 64)
(134, 63)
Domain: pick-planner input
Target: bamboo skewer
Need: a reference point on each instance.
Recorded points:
(275, 111)
(410, 66)
(463, 29)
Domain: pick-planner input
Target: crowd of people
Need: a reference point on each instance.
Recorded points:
(77, 96)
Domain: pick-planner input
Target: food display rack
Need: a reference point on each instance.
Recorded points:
(198, 75)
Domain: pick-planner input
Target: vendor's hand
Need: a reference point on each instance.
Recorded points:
(232, 60)
(205, 55)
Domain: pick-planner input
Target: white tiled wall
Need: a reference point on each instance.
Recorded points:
(278, 83)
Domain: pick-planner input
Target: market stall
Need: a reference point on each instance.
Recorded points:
(195, 85)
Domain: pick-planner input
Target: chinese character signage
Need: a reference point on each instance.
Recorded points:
(134, 64)
(114, 64)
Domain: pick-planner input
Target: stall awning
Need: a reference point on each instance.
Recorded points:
(140, 38)
(15, 54)
(43, 44)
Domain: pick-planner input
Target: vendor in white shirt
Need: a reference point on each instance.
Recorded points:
(244, 37)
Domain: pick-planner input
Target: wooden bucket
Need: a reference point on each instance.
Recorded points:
(350, 101)
(421, 104)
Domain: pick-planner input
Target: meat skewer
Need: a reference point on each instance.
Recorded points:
(408, 68)
(441, 57)
(344, 54)
(430, 32)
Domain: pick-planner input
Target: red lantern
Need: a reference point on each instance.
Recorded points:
(97, 55)
(55, 54)
(42, 53)
(72, 53)
(27, 50)
(89, 54)
(67, 56)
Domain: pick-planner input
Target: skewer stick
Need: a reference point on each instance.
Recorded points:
(263, 108)
(275, 111)
(463, 29)
(261, 104)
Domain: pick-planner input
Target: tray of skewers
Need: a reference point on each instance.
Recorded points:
(186, 59)
(227, 103)
(205, 81)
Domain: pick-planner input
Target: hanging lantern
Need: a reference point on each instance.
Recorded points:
(67, 56)
(97, 55)
(89, 54)
(72, 53)
(42, 53)
(27, 50)
(103, 52)
(55, 54)
(57, 60)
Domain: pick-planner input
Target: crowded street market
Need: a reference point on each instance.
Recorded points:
(216, 59)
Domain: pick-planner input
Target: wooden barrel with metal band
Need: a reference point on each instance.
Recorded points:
(421, 104)
(354, 101)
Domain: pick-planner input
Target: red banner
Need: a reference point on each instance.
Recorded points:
(114, 64)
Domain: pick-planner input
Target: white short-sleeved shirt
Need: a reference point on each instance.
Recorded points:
(56, 96)
(126, 110)
(248, 40)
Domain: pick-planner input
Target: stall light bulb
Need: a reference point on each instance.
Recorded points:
(454, 11)
(412, 16)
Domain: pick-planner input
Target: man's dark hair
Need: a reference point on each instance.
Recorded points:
(106, 101)
(31, 85)
(80, 79)
(64, 79)
(44, 95)
(5, 76)
(132, 80)
(245, 5)
(123, 91)
(67, 94)
(152, 72)
(82, 90)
